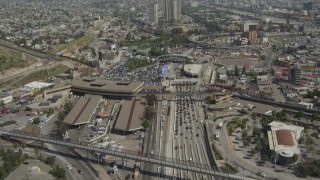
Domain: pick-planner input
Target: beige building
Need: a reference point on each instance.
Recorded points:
(253, 37)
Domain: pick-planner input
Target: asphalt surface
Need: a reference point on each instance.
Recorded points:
(152, 140)
(68, 157)
(189, 144)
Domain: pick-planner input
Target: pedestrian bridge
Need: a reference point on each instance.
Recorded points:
(127, 154)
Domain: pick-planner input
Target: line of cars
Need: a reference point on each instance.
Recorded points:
(184, 116)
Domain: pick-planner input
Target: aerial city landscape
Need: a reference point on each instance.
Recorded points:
(159, 89)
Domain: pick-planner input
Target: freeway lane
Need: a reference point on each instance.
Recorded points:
(151, 145)
(189, 144)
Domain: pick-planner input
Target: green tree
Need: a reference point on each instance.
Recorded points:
(244, 134)
(151, 98)
(258, 147)
(7, 165)
(236, 71)
(230, 131)
(145, 124)
(295, 157)
(15, 145)
(2, 173)
(2, 151)
(36, 121)
(149, 113)
(36, 151)
(1, 104)
(57, 171)
(312, 149)
(256, 132)
(315, 116)
(254, 115)
(61, 116)
(300, 114)
(68, 106)
(310, 141)
(49, 112)
(317, 165)
(50, 160)
(23, 145)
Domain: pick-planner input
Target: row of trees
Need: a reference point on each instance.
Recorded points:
(149, 112)
(210, 100)
(62, 127)
(11, 160)
(311, 167)
(135, 63)
(157, 52)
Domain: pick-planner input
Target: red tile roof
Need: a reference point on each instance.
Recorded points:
(284, 137)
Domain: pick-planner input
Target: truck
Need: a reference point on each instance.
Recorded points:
(217, 135)
(220, 125)
(4, 111)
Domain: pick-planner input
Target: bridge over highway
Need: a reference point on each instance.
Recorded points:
(154, 159)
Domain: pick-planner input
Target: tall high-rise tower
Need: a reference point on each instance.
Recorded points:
(173, 11)
(294, 74)
(154, 16)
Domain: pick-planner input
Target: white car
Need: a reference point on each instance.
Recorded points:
(261, 174)
(69, 167)
(151, 151)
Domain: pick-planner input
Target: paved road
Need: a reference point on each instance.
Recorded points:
(189, 144)
(227, 151)
(76, 163)
(152, 141)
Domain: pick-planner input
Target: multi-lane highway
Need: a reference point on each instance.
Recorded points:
(177, 133)
(188, 143)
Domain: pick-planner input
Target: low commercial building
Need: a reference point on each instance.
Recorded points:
(105, 87)
(192, 69)
(6, 98)
(49, 103)
(263, 82)
(83, 110)
(222, 107)
(305, 105)
(283, 139)
(130, 116)
(36, 85)
(243, 79)
(253, 37)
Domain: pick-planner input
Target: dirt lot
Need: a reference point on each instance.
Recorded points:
(26, 171)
